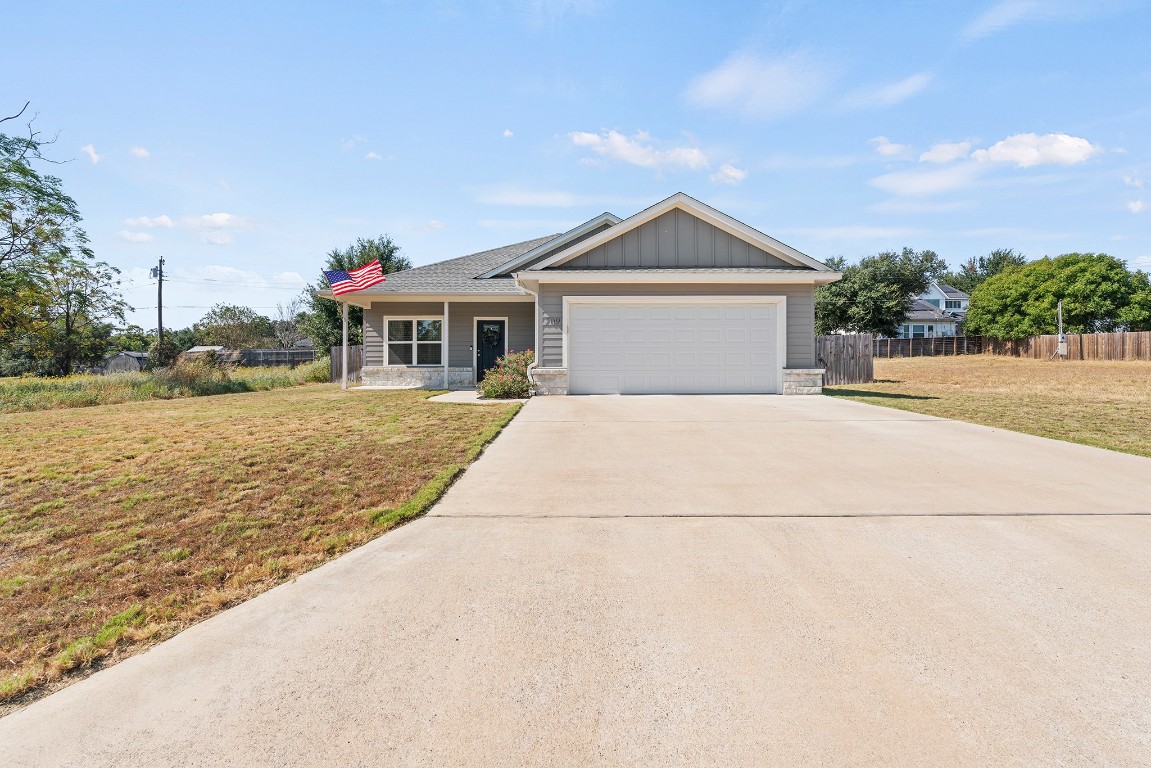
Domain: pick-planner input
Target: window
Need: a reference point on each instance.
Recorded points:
(932, 302)
(415, 341)
(953, 304)
(917, 331)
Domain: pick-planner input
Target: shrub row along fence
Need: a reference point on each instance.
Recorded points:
(1129, 345)
(355, 363)
(846, 359)
(929, 347)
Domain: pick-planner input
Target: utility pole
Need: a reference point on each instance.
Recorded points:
(158, 273)
(1061, 348)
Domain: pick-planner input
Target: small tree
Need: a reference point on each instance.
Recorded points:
(875, 295)
(234, 327)
(972, 274)
(324, 321)
(1099, 294)
(286, 326)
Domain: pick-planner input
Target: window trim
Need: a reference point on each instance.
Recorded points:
(413, 319)
(957, 302)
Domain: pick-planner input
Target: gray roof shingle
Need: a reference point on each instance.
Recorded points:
(458, 275)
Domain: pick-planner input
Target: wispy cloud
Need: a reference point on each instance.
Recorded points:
(134, 237)
(640, 150)
(759, 87)
(925, 183)
(150, 222)
(1133, 181)
(884, 147)
(728, 174)
(508, 133)
(373, 156)
(1137, 206)
(90, 151)
(352, 142)
(1025, 150)
(946, 152)
(1009, 13)
(140, 152)
(888, 95)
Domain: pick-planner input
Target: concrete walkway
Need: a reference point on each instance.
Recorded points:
(636, 582)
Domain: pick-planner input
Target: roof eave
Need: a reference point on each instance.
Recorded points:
(798, 277)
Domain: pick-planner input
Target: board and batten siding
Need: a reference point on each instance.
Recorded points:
(800, 311)
(675, 239)
(461, 326)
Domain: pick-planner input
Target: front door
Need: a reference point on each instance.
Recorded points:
(489, 345)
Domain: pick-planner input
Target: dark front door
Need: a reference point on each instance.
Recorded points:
(490, 340)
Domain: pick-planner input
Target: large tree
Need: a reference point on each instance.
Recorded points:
(234, 327)
(976, 270)
(323, 323)
(1099, 294)
(57, 303)
(875, 295)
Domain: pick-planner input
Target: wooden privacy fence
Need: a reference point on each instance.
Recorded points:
(355, 363)
(846, 359)
(1126, 345)
(929, 347)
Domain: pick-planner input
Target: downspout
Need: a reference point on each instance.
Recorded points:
(536, 352)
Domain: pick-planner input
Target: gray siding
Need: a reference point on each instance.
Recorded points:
(461, 325)
(800, 312)
(675, 240)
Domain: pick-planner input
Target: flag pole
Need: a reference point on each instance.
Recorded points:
(344, 375)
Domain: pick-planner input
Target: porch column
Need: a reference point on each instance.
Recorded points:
(444, 346)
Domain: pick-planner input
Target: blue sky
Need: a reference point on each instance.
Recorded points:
(242, 141)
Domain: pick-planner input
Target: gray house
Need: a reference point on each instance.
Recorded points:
(679, 298)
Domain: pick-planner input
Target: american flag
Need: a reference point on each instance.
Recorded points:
(355, 279)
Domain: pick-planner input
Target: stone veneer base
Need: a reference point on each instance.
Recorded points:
(416, 376)
(803, 381)
(550, 381)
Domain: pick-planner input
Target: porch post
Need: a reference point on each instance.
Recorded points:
(344, 349)
(445, 347)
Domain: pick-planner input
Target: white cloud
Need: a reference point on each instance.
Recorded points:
(760, 88)
(350, 143)
(1026, 150)
(150, 222)
(373, 156)
(1009, 13)
(1133, 181)
(216, 228)
(431, 225)
(886, 148)
(888, 95)
(140, 152)
(134, 237)
(728, 174)
(508, 133)
(924, 183)
(1137, 206)
(90, 151)
(946, 152)
(640, 150)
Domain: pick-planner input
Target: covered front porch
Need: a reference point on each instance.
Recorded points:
(442, 344)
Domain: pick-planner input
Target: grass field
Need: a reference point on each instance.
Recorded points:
(1105, 404)
(120, 525)
(184, 380)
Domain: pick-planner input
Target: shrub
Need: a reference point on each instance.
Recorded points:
(508, 379)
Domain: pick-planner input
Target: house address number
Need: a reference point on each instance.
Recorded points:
(553, 321)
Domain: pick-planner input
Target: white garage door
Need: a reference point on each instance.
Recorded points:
(671, 348)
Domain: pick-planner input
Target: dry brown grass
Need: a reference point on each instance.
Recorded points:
(1100, 403)
(122, 524)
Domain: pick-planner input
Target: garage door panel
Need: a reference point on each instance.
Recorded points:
(677, 347)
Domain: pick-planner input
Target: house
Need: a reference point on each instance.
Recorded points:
(679, 298)
(125, 362)
(938, 311)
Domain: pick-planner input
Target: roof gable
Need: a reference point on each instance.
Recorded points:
(679, 232)
(556, 244)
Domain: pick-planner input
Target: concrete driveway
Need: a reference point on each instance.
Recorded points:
(682, 581)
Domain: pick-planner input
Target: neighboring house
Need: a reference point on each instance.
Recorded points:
(938, 311)
(679, 298)
(125, 362)
(203, 349)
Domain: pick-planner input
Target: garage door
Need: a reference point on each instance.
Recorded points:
(671, 348)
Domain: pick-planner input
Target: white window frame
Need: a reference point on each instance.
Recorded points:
(476, 342)
(779, 301)
(414, 341)
(957, 302)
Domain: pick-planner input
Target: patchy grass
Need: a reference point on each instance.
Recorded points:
(121, 525)
(1100, 403)
(31, 393)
